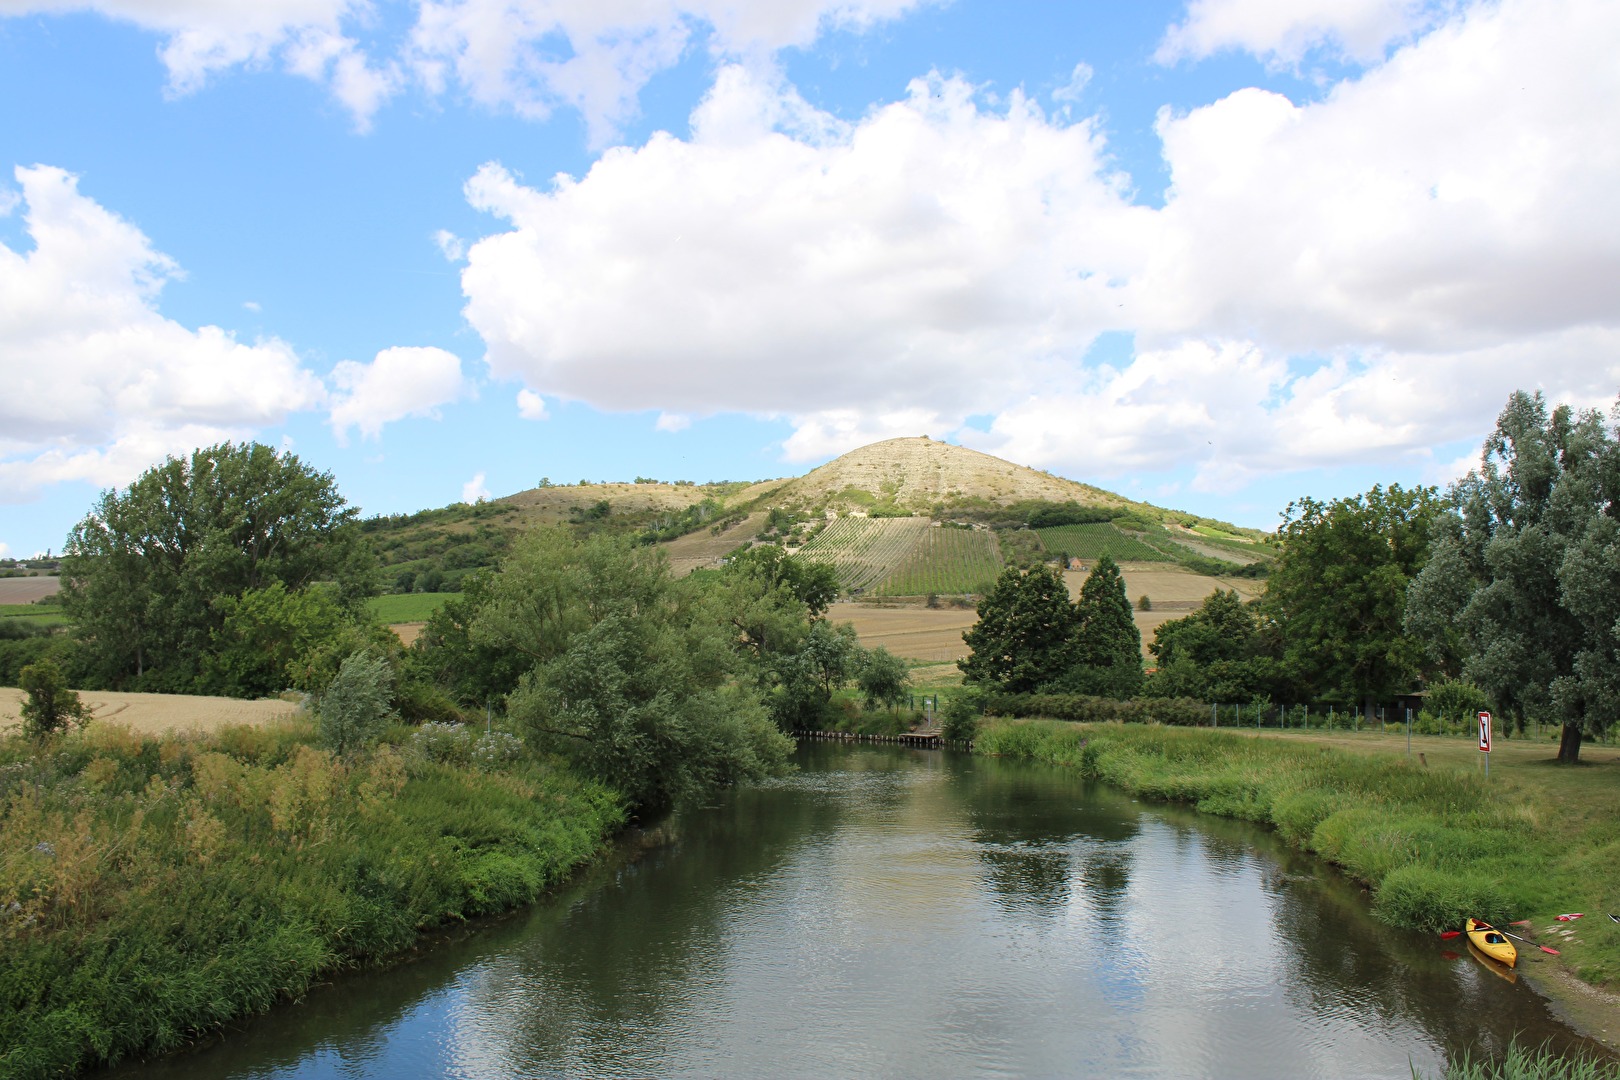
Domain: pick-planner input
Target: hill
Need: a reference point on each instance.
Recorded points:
(925, 476)
(911, 480)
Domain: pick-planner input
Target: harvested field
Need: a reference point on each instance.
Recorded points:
(153, 713)
(407, 632)
(700, 549)
(25, 590)
(916, 633)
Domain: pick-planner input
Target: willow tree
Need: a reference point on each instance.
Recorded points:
(1522, 589)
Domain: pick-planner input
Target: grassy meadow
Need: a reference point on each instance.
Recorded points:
(153, 888)
(1435, 842)
(407, 607)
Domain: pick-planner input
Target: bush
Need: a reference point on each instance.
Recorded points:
(51, 706)
(448, 744)
(1084, 708)
(960, 717)
(354, 711)
(495, 748)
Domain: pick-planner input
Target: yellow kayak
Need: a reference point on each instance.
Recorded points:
(1490, 941)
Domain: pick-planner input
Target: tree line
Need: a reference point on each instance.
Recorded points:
(241, 571)
(1504, 590)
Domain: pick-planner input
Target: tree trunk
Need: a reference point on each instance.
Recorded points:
(1569, 745)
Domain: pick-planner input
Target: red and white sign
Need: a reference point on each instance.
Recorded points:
(1485, 732)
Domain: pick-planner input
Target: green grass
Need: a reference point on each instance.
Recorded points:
(1093, 541)
(946, 561)
(408, 607)
(154, 889)
(1435, 843)
(35, 614)
(1522, 1064)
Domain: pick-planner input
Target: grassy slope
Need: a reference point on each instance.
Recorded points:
(1436, 843)
(408, 607)
(152, 889)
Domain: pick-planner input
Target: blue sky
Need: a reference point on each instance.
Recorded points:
(1217, 254)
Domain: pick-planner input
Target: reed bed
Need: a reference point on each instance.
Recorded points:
(155, 887)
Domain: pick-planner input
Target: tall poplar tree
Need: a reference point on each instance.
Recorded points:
(1523, 588)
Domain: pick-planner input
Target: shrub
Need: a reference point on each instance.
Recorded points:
(1084, 708)
(449, 744)
(51, 706)
(495, 748)
(354, 712)
(960, 717)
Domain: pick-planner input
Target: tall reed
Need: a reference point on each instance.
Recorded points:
(154, 888)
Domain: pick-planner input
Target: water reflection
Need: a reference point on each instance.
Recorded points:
(899, 913)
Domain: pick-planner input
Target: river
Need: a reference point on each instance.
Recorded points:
(888, 912)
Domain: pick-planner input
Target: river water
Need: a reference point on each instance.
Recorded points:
(887, 912)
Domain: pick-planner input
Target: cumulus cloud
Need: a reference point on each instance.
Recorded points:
(400, 382)
(755, 270)
(1282, 32)
(99, 384)
(526, 56)
(474, 490)
(1358, 277)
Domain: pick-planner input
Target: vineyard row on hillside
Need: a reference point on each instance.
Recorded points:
(946, 561)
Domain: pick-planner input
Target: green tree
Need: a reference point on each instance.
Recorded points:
(1523, 589)
(273, 638)
(145, 573)
(1218, 653)
(1108, 646)
(806, 679)
(49, 706)
(1024, 638)
(354, 710)
(630, 676)
(1337, 593)
(883, 678)
(474, 672)
(814, 583)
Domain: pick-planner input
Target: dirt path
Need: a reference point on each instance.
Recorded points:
(151, 714)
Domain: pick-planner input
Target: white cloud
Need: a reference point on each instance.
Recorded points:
(451, 246)
(1282, 32)
(932, 248)
(526, 56)
(98, 383)
(401, 381)
(1353, 279)
(672, 422)
(1073, 90)
(531, 406)
(474, 490)
(253, 306)
(5, 551)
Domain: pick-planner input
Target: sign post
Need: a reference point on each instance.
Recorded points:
(1485, 740)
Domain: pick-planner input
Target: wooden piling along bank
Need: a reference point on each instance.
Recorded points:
(930, 740)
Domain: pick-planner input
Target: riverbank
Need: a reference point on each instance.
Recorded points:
(1433, 842)
(155, 887)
